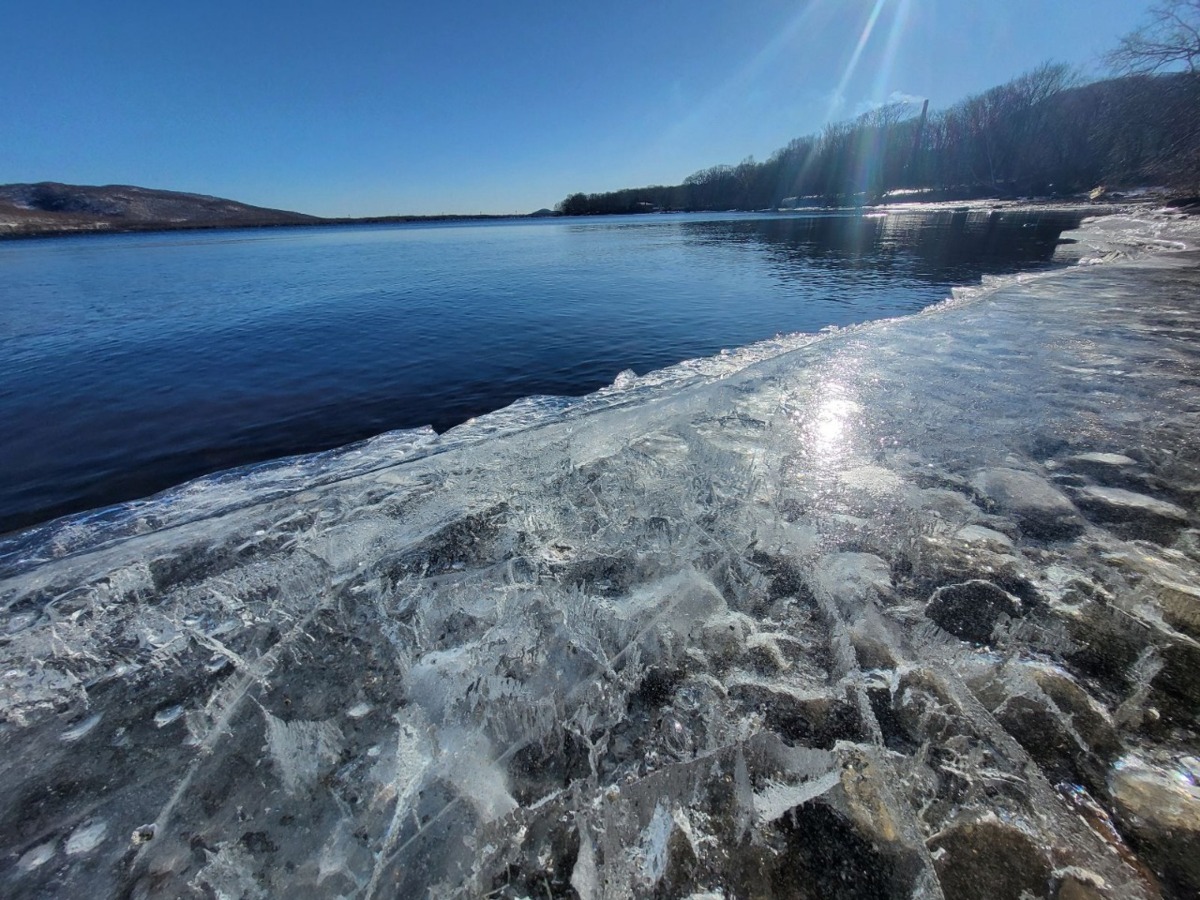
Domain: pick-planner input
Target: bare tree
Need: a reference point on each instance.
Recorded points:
(1170, 39)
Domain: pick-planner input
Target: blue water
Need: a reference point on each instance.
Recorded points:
(134, 362)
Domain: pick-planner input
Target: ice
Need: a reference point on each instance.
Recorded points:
(906, 609)
(38, 856)
(78, 731)
(777, 800)
(86, 838)
(654, 849)
(584, 877)
(300, 750)
(229, 875)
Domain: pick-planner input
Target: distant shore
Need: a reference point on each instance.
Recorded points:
(10, 230)
(17, 231)
(52, 209)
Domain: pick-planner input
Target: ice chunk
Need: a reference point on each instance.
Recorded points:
(165, 717)
(1101, 459)
(300, 749)
(1151, 515)
(777, 799)
(1040, 509)
(1162, 808)
(358, 710)
(38, 856)
(874, 480)
(229, 875)
(86, 838)
(984, 537)
(82, 729)
(654, 849)
(584, 877)
(853, 580)
(467, 761)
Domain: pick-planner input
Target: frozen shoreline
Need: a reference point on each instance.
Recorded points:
(913, 601)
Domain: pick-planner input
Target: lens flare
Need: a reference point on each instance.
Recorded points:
(852, 66)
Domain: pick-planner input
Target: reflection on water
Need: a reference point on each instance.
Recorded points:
(178, 355)
(939, 245)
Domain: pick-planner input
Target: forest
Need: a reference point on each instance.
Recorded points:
(1044, 134)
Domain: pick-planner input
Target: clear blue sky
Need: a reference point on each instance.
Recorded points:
(374, 107)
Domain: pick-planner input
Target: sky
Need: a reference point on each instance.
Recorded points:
(376, 107)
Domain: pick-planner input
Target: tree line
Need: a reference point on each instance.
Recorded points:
(1042, 134)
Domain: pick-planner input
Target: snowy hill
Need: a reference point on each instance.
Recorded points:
(50, 207)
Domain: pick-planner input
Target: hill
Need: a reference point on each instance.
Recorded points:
(53, 208)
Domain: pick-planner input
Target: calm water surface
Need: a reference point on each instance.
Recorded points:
(134, 362)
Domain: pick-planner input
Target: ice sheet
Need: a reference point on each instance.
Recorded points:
(910, 609)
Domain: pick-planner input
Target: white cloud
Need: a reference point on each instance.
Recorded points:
(901, 97)
(895, 97)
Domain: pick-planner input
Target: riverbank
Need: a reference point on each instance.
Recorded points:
(906, 608)
(73, 210)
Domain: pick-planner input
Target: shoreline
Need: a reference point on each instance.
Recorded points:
(1100, 207)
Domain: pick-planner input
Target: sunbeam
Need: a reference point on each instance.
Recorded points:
(887, 60)
(742, 79)
(852, 66)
